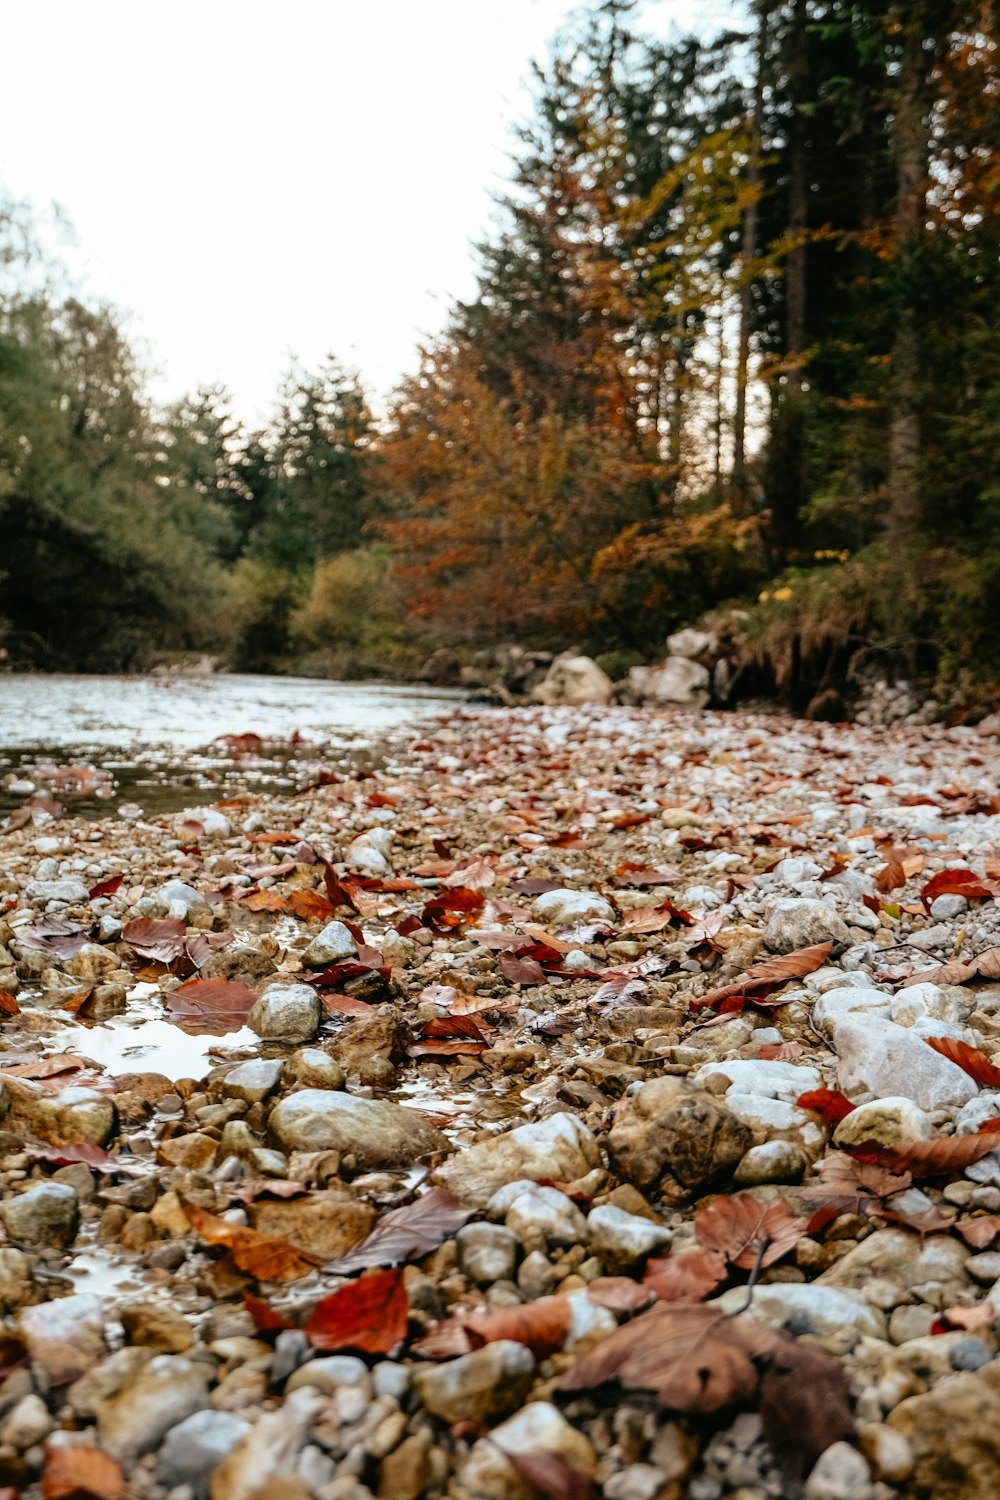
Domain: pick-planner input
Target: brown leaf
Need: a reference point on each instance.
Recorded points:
(619, 1294)
(543, 1325)
(105, 887)
(39, 1068)
(803, 1402)
(948, 1153)
(268, 900)
(969, 1059)
(890, 878)
(980, 1231)
(690, 1357)
(81, 1474)
(852, 1186)
(763, 978)
(460, 1026)
(688, 1276)
(211, 997)
(551, 1475)
(830, 1103)
(154, 937)
(985, 965)
(369, 1314)
(656, 918)
(520, 970)
(444, 1048)
(780, 1051)
(260, 1255)
(739, 1228)
(405, 1234)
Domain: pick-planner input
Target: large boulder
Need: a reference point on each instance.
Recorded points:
(675, 1139)
(574, 680)
(376, 1133)
(692, 644)
(954, 1432)
(559, 1148)
(890, 1061)
(676, 680)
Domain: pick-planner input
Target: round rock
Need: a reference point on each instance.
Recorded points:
(48, 1214)
(286, 1013)
(375, 1132)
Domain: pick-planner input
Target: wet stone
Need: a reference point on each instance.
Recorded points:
(375, 1132)
(288, 1013)
(48, 1214)
(253, 1081)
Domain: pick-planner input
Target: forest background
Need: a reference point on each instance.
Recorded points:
(734, 344)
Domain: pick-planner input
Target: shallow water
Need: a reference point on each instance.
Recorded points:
(163, 743)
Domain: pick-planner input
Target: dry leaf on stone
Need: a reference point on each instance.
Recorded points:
(551, 1475)
(369, 1314)
(948, 1153)
(406, 1233)
(983, 1315)
(765, 977)
(985, 965)
(690, 1357)
(81, 1474)
(220, 998)
(154, 937)
(687, 1276)
(969, 1059)
(619, 1294)
(259, 1255)
(851, 1186)
(740, 1228)
(960, 882)
(980, 1231)
(831, 1104)
(543, 1325)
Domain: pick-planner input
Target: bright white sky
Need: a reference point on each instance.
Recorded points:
(257, 179)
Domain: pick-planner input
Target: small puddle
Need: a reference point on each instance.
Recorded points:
(143, 1045)
(99, 1272)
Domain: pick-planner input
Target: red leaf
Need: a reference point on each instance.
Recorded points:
(105, 887)
(969, 1059)
(763, 978)
(740, 1228)
(780, 1051)
(453, 1026)
(266, 1320)
(830, 1103)
(449, 908)
(959, 882)
(369, 1314)
(8, 1005)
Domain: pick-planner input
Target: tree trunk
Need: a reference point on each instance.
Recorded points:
(748, 252)
(910, 147)
(795, 271)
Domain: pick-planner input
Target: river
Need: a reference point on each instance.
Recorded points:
(161, 743)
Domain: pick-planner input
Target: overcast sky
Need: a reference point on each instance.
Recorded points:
(253, 179)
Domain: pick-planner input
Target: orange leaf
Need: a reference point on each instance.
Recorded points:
(830, 1103)
(969, 1059)
(949, 1153)
(8, 1005)
(985, 965)
(370, 1314)
(81, 1474)
(345, 1005)
(260, 1255)
(543, 1325)
(262, 901)
(162, 939)
(309, 906)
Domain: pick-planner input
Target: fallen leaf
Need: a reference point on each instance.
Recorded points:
(442, 1047)
(405, 1234)
(982, 1315)
(687, 1276)
(850, 1186)
(57, 935)
(8, 1005)
(780, 1051)
(960, 882)
(40, 1068)
(223, 998)
(65, 1156)
(460, 1026)
(551, 1475)
(763, 978)
(81, 1474)
(269, 901)
(690, 1357)
(543, 1325)
(154, 937)
(739, 1228)
(266, 1320)
(969, 1059)
(980, 1231)
(345, 1005)
(985, 965)
(260, 1255)
(890, 878)
(948, 1153)
(831, 1104)
(369, 1314)
(309, 906)
(619, 1294)
(520, 970)
(105, 887)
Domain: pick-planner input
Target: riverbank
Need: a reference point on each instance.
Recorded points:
(536, 1019)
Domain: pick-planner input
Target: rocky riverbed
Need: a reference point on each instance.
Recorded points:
(588, 1102)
